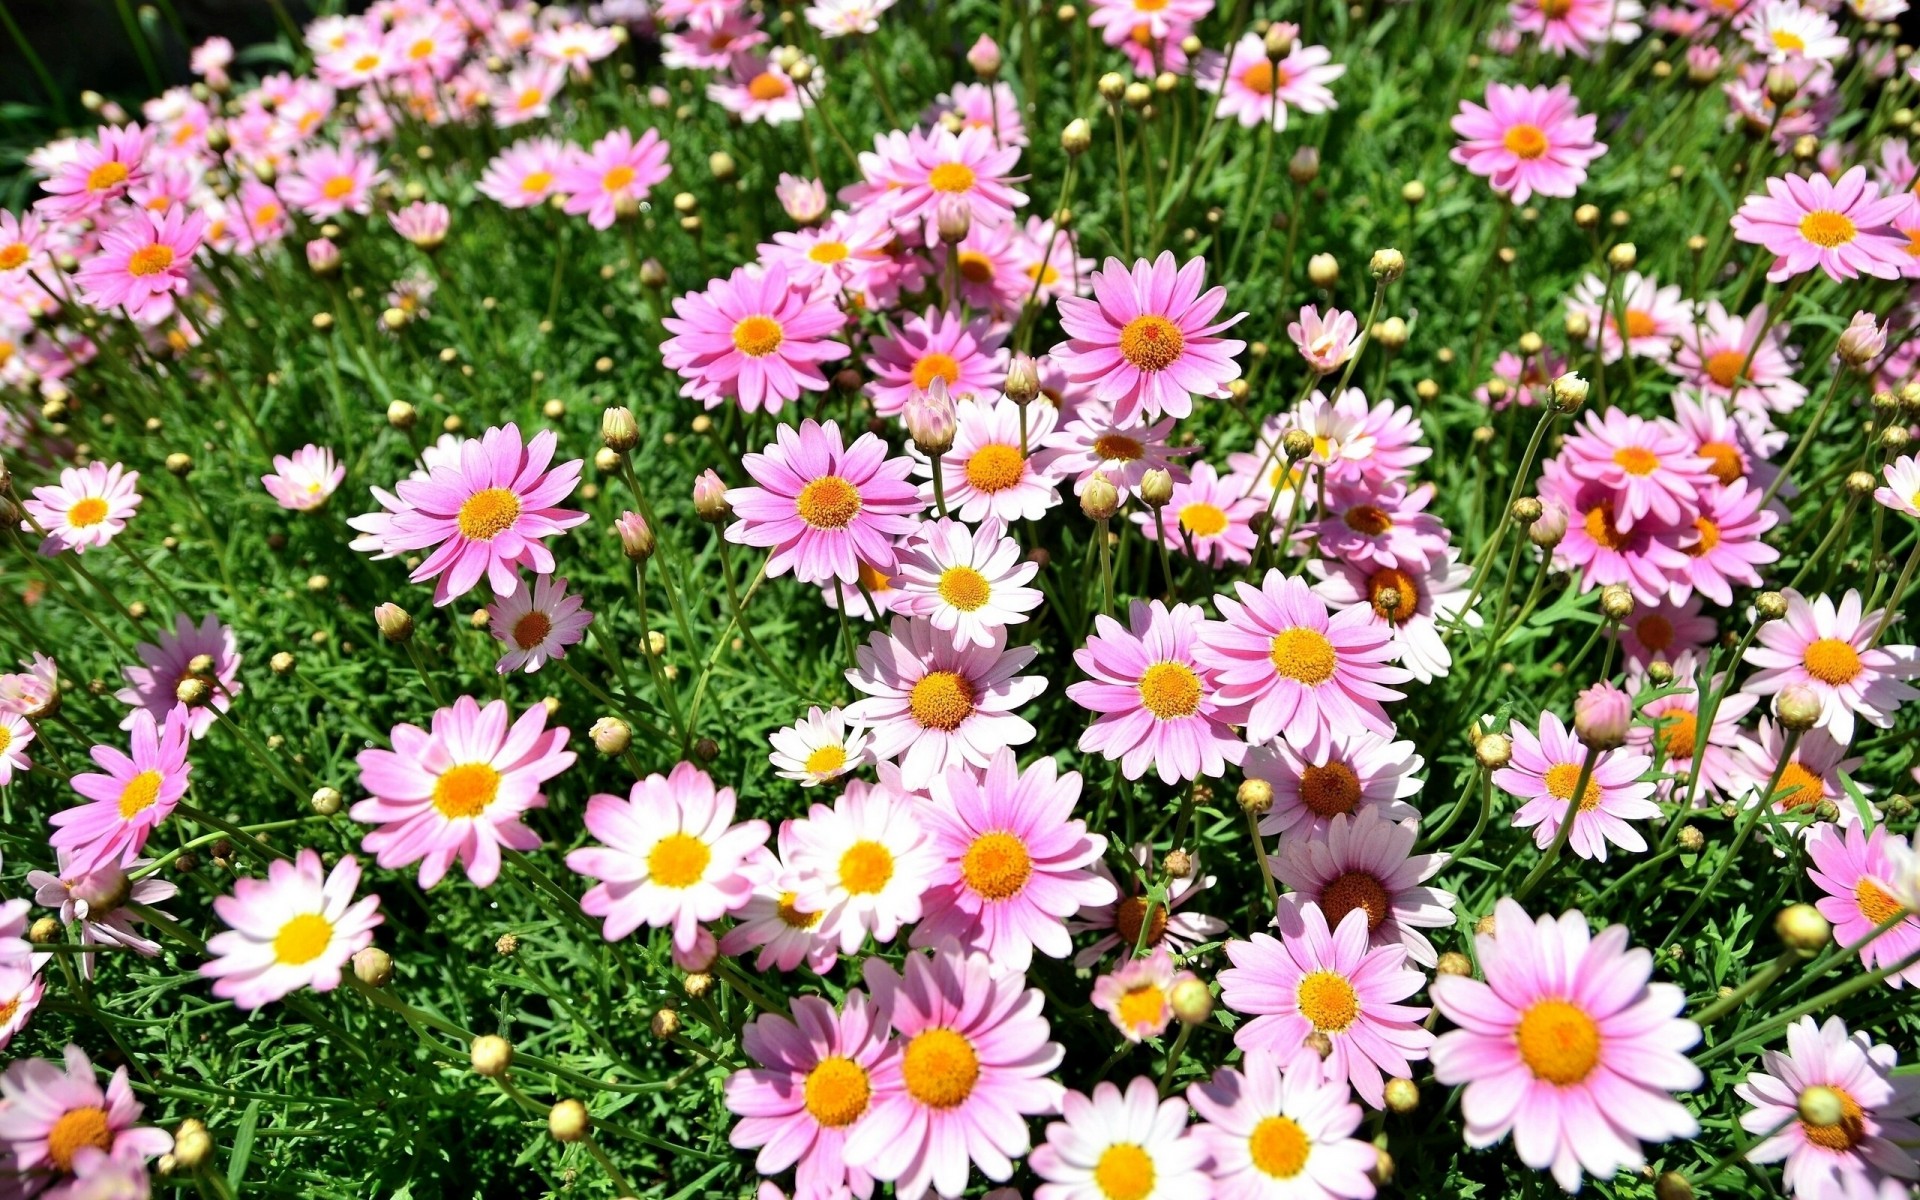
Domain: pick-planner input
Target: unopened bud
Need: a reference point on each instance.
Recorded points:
(192, 692)
(1493, 751)
(665, 1023)
(1691, 839)
(1387, 264)
(44, 930)
(710, 498)
(1672, 1185)
(396, 623)
(1156, 488)
(1797, 707)
(1622, 255)
(1023, 379)
(1526, 510)
(191, 1144)
(1099, 500)
(1192, 1001)
(618, 429)
(1178, 864)
(1616, 602)
(1454, 963)
(567, 1121)
(1304, 167)
(1255, 796)
(491, 1056)
(1296, 444)
(327, 801)
(1769, 606)
(1568, 393)
(1323, 270)
(1403, 1096)
(373, 966)
(611, 736)
(1076, 137)
(179, 465)
(401, 415)
(1801, 927)
(636, 536)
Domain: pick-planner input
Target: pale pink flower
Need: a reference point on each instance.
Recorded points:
(1121, 924)
(818, 748)
(864, 865)
(525, 174)
(1863, 1155)
(59, 1127)
(328, 181)
(296, 928)
(1578, 27)
(88, 507)
(1360, 771)
(1366, 862)
(98, 173)
(987, 473)
(821, 507)
(1543, 772)
(304, 481)
(1527, 141)
(1255, 89)
(1137, 994)
(153, 686)
(1278, 1130)
(1154, 701)
(1861, 882)
(1824, 647)
(968, 583)
(1844, 227)
(968, 355)
(613, 177)
(1208, 517)
(1115, 1143)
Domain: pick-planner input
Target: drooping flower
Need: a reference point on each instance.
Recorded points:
(58, 1124)
(1527, 141)
(1544, 771)
(1361, 771)
(965, 582)
(866, 863)
(138, 791)
(88, 507)
(612, 177)
(1566, 1045)
(1155, 703)
(1276, 1131)
(818, 748)
(296, 928)
(304, 481)
(1824, 647)
(166, 663)
(96, 900)
(1857, 874)
(1120, 1145)
(753, 338)
(1366, 862)
(457, 792)
(669, 855)
(536, 624)
(1844, 227)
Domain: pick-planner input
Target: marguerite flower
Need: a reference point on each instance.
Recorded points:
(1122, 924)
(1901, 492)
(865, 863)
(1207, 517)
(1116, 1145)
(612, 177)
(987, 473)
(88, 507)
(525, 174)
(1362, 770)
(1863, 1154)
(1254, 88)
(1544, 769)
(57, 1123)
(1844, 226)
(753, 338)
(1527, 141)
(1147, 342)
(1366, 862)
(306, 480)
(328, 181)
(167, 662)
(1859, 878)
(1825, 648)
(936, 345)
(1155, 702)
(138, 791)
(296, 928)
(536, 624)
(967, 583)
(818, 748)
(824, 508)
(1278, 1132)
(142, 263)
(15, 735)
(1137, 994)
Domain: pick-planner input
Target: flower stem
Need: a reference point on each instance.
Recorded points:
(1545, 865)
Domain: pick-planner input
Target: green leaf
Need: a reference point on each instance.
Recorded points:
(1859, 800)
(243, 1145)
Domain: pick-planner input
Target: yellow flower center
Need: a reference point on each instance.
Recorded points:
(866, 868)
(1390, 581)
(837, 1090)
(939, 1068)
(790, 915)
(1876, 903)
(1043, 273)
(1329, 790)
(935, 365)
(1356, 889)
(420, 49)
(1832, 661)
(1279, 1147)
(827, 253)
(1304, 655)
(1328, 1000)
(1368, 519)
(6, 739)
(828, 502)
(1525, 141)
(12, 256)
(88, 512)
(1788, 41)
(1558, 1042)
(1601, 529)
(1151, 343)
(1708, 537)
(465, 790)
(1117, 447)
(951, 178)
(1636, 460)
(997, 865)
(1560, 779)
(1130, 916)
(1798, 788)
(766, 86)
(106, 175)
(942, 700)
(1203, 520)
(617, 178)
(337, 188)
(826, 760)
(532, 98)
(1826, 228)
(140, 794)
(1846, 1133)
(758, 336)
(678, 860)
(1640, 324)
(1170, 690)
(150, 260)
(975, 267)
(996, 467)
(537, 181)
(1125, 1171)
(964, 588)
(1725, 461)
(1680, 734)
(1724, 367)
(1143, 1007)
(532, 629)
(76, 1129)
(302, 939)
(366, 62)
(488, 513)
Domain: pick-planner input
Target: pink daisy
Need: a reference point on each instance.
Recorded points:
(772, 920)
(1654, 315)
(97, 901)
(967, 583)
(328, 181)
(818, 748)
(1648, 465)
(1253, 88)
(138, 791)
(1128, 1144)
(1326, 343)
(612, 177)
(142, 263)
(1359, 771)
(1409, 605)
(751, 337)
(88, 507)
(1277, 1132)
(485, 512)
(1381, 527)
(811, 1086)
(1786, 29)
(934, 705)
(1012, 865)
(306, 480)
(1281, 665)
(98, 173)
(21, 990)
(1863, 1154)
(1901, 492)
(985, 473)
(33, 693)
(537, 624)
(1810, 775)
(1311, 980)
(1154, 700)
(153, 686)
(940, 166)
(988, 269)
(670, 855)
(1645, 558)
(1527, 141)
(296, 928)
(1366, 862)
(1566, 1045)
(1527, 379)
(845, 260)
(1844, 227)
(1673, 723)
(16, 734)
(1120, 924)
(457, 793)
(1358, 444)
(1208, 517)
(1136, 995)
(757, 89)
(1577, 27)
(980, 106)
(1543, 772)
(58, 1124)
(972, 1058)
(1146, 22)
(936, 345)
(525, 174)
(1857, 874)
(865, 864)
(709, 43)
(1147, 342)
(23, 244)
(1824, 647)
(1737, 442)
(1726, 546)
(824, 509)
(525, 94)
(1714, 351)
(1050, 258)
(1093, 443)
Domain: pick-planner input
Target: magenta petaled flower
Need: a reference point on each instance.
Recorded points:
(57, 1123)
(1647, 558)
(1093, 443)
(457, 794)
(1578, 27)
(1147, 342)
(1566, 1045)
(1282, 666)
(1727, 545)
(1154, 701)
(1844, 227)
(1256, 90)
(1825, 647)
(613, 177)
(1366, 862)
(1649, 465)
(936, 345)
(1543, 773)
(296, 928)
(88, 507)
(97, 901)
(98, 173)
(1137, 994)
(485, 512)
(1012, 864)
(142, 263)
(824, 508)
(138, 791)
(424, 223)
(1527, 141)
(153, 687)
(753, 338)
(1314, 980)
(1859, 878)
(938, 165)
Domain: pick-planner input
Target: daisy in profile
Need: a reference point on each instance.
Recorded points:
(933, 704)
(612, 177)
(818, 748)
(1858, 875)
(1824, 647)
(966, 583)
(1745, 361)
(96, 901)
(486, 513)
(810, 1086)
(1810, 775)
(88, 507)
(864, 864)
(1844, 227)
(1861, 1153)
(33, 693)
(1325, 343)
(1366, 862)
(138, 791)
(1254, 88)
(536, 624)
(1151, 343)
(57, 1123)
(669, 856)
(168, 661)
(296, 928)
(1901, 492)
(306, 480)
(1012, 864)
(1154, 701)
(973, 1058)
(1281, 665)
(1277, 1132)
(1208, 518)
(457, 793)
(1362, 770)
(751, 338)
(936, 345)
(1116, 1143)
(1120, 924)
(1649, 466)
(525, 174)
(1544, 770)
(15, 735)
(986, 473)
(1093, 443)
(1409, 604)
(1566, 1045)
(1313, 980)
(328, 181)
(821, 506)
(1527, 141)
(1577, 27)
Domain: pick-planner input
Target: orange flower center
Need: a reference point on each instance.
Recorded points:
(1709, 537)
(1788, 41)
(951, 178)
(1846, 1133)
(866, 868)
(1131, 914)
(1143, 1007)
(1679, 734)
(1640, 324)
(1798, 787)
(997, 866)
(465, 790)
(828, 253)
(790, 914)
(975, 267)
(150, 260)
(1636, 460)
(1561, 778)
(76, 1129)
(1826, 228)
(1279, 1147)
(996, 467)
(1654, 631)
(1329, 790)
(12, 256)
(935, 365)
(1356, 889)
(1151, 343)
(1558, 1042)
(1390, 581)
(1724, 367)
(1725, 460)
(106, 175)
(618, 178)
(1169, 690)
(1304, 655)
(140, 794)
(1525, 141)
(828, 502)
(1125, 1171)
(87, 512)
(758, 336)
(939, 1068)
(337, 188)
(678, 860)
(1832, 661)
(1117, 447)
(964, 588)
(1601, 529)
(1262, 79)
(488, 513)
(837, 1091)
(941, 700)
(766, 86)
(537, 181)
(302, 939)
(1328, 1000)
(1876, 903)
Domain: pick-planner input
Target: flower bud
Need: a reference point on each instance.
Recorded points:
(1622, 255)
(611, 736)
(1413, 191)
(652, 274)
(953, 218)
(710, 498)
(1527, 509)
(1801, 927)
(44, 930)
(1156, 488)
(1672, 1185)
(1691, 839)
(1099, 500)
(1781, 86)
(1076, 137)
(1578, 325)
(1493, 751)
(665, 1024)
(492, 1055)
(282, 663)
(396, 623)
(618, 429)
(984, 57)
(1279, 40)
(1403, 1096)
(191, 1144)
(1859, 483)
(1821, 1105)
(1387, 264)
(1454, 963)
(323, 257)
(930, 419)
(373, 966)
(192, 692)
(1862, 341)
(1797, 707)
(1304, 167)
(1568, 393)
(327, 801)
(1616, 602)
(1296, 444)
(1191, 999)
(1601, 716)
(1660, 671)
(1255, 796)
(636, 537)
(401, 415)
(567, 1121)
(1323, 270)
(1769, 606)
(1178, 864)
(179, 465)
(1023, 379)
(1137, 95)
